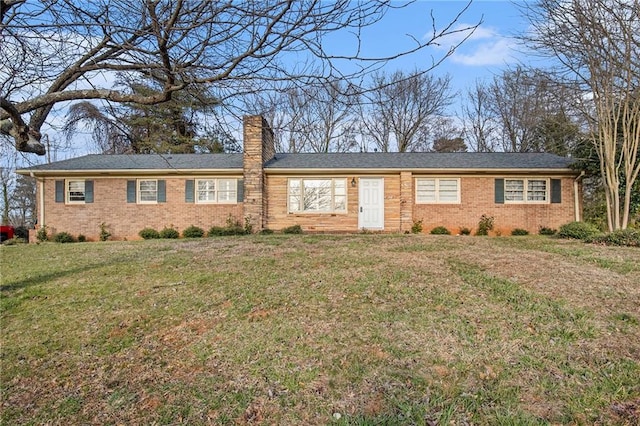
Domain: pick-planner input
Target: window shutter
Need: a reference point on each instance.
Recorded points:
(556, 190)
(88, 191)
(499, 192)
(162, 191)
(59, 191)
(131, 191)
(240, 190)
(189, 191)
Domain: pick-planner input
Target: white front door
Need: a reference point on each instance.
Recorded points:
(371, 209)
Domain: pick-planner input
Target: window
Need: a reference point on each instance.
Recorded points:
(526, 191)
(147, 191)
(216, 190)
(75, 191)
(318, 195)
(437, 190)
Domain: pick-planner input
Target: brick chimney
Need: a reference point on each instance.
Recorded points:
(258, 149)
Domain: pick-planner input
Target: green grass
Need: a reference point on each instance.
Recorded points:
(313, 329)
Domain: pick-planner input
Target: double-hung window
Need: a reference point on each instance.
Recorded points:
(216, 190)
(526, 190)
(326, 195)
(438, 190)
(147, 191)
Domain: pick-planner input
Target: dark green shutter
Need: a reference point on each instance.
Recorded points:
(188, 191)
(162, 191)
(556, 190)
(131, 191)
(240, 189)
(499, 192)
(59, 191)
(88, 191)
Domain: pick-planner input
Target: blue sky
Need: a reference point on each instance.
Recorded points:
(488, 51)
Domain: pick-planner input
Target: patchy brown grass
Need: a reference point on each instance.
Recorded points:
(313, 329)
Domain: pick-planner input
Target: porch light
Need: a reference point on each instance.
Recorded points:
(353, 182)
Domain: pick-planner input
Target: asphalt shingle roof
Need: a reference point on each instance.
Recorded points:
(380, 160)
(145, 162)
(420, 160)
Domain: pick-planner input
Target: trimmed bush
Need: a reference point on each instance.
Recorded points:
(465, 231)
(622, 237)
(578, 231)
(169, 233)
(82, 238)
(519, 232)
(220, 231)
(64, 237)
(149, 234)
(266, 231)
(546, 231)
(416, 228)
(440, 230)
(294, 229)
(193, 232)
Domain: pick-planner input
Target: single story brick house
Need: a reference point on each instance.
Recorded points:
(332, 192)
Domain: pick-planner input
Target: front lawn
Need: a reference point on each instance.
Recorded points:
(320, 329)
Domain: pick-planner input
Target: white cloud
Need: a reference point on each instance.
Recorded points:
(486, 46)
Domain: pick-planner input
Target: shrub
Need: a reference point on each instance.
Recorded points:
(440, 230)
(266, 231)
(519, 231)
(416, 228)
(465, 231)
(149, 234)
(543, 230)
(622, 237)
(578, 230)
(193, 232)
(82, 238)
(104, 233)
(294, 229)
(485, 225)
(21, 232)
(219, 231)
(63, 237)
(169, 233)
(42, 234)
(248, 226)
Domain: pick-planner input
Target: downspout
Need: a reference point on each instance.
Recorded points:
(576, 197)
(40, 200)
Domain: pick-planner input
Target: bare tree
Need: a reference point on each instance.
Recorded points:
(401, 108)
(66, 50)
(480, 126)
(597, 44)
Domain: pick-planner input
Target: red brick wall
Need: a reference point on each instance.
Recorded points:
(477, 198)
(124, 220)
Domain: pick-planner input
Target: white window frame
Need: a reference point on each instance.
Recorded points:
(217, 198)
(67, 191)
(437, 191)
(527, 192)
(139, 191)
(337, 198)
